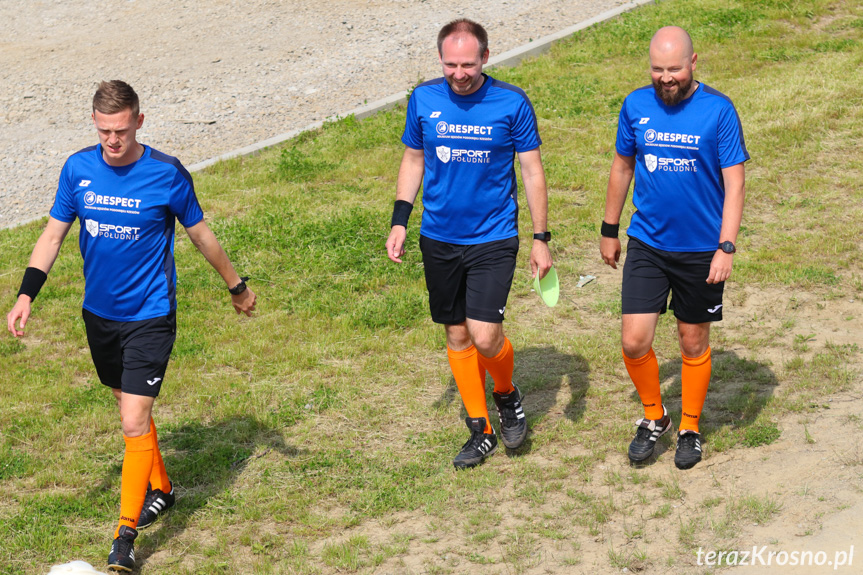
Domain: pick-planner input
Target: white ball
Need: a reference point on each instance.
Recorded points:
(74, 568)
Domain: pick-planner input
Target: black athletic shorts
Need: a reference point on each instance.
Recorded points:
(468, 281)
(649, 274)
(131, 356)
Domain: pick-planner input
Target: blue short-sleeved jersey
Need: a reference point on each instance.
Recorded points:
(127, 229)
(470, 194)
(680, 152)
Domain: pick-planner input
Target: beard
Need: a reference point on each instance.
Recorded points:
(672, 98)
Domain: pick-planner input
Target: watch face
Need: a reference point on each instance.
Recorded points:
(727, 247)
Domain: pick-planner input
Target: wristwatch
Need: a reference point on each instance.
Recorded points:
(544, 236)
(727, 247)
(239, 288)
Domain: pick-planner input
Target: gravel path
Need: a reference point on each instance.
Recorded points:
(215, 75)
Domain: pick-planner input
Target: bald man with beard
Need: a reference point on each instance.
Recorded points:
(683, 143)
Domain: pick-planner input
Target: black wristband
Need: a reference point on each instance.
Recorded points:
(34, 279)
(401, 213)
(609, 230)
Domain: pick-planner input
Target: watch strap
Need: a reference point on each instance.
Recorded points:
(240, 287)
(728, 247)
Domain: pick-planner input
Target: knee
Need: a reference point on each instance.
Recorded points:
(457, 337)
(135, 420)
(635, 346)
(135, 427)
(695, 348)
(693, 342)
(488, 345)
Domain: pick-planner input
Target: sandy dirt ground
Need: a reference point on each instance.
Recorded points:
(217, 75)
(813, 473)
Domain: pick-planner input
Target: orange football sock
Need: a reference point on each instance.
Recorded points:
(137, 464)
(694, 379)
(500, 367)
(644, 372)
(470, 378)
(159, 475)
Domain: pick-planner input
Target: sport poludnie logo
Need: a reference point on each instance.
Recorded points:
(446, 154)
(111, 231)
(650, 162)
(443, 153)
(653, 163)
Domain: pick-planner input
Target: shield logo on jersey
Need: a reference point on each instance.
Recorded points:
(93, 227)
(443, 153)
(650, 162)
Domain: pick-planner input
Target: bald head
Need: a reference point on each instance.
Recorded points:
(672, 39)
(672, 62)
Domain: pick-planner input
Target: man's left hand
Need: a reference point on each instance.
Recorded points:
(540, 259)
(720, 267)
(245, 302)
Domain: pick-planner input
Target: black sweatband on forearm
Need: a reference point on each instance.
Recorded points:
(609, 230)
(34, 279)
(401, 213)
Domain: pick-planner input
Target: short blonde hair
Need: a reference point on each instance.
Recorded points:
(115, 96)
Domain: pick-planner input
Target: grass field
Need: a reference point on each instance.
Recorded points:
(317, 437)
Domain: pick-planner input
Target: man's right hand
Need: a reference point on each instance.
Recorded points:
(21, 312)
(245, 302)
(396, 243)
(609, 249)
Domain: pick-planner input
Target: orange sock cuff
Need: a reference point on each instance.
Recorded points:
(463, 354)
(638, 361)
(697, 361)
(500, 367)
(140, 443)
(505, 350)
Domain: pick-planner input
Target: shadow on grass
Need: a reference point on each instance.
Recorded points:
(739, 390)
(540, 373)
(203, 462)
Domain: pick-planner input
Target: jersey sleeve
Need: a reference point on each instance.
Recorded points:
(64, 202)
(730, 143)
(625, 144)
(525, 131)
(413, 134)
(184, 203)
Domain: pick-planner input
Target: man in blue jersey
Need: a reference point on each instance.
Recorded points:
(461, 135)
(127, 196)
(683, 143)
